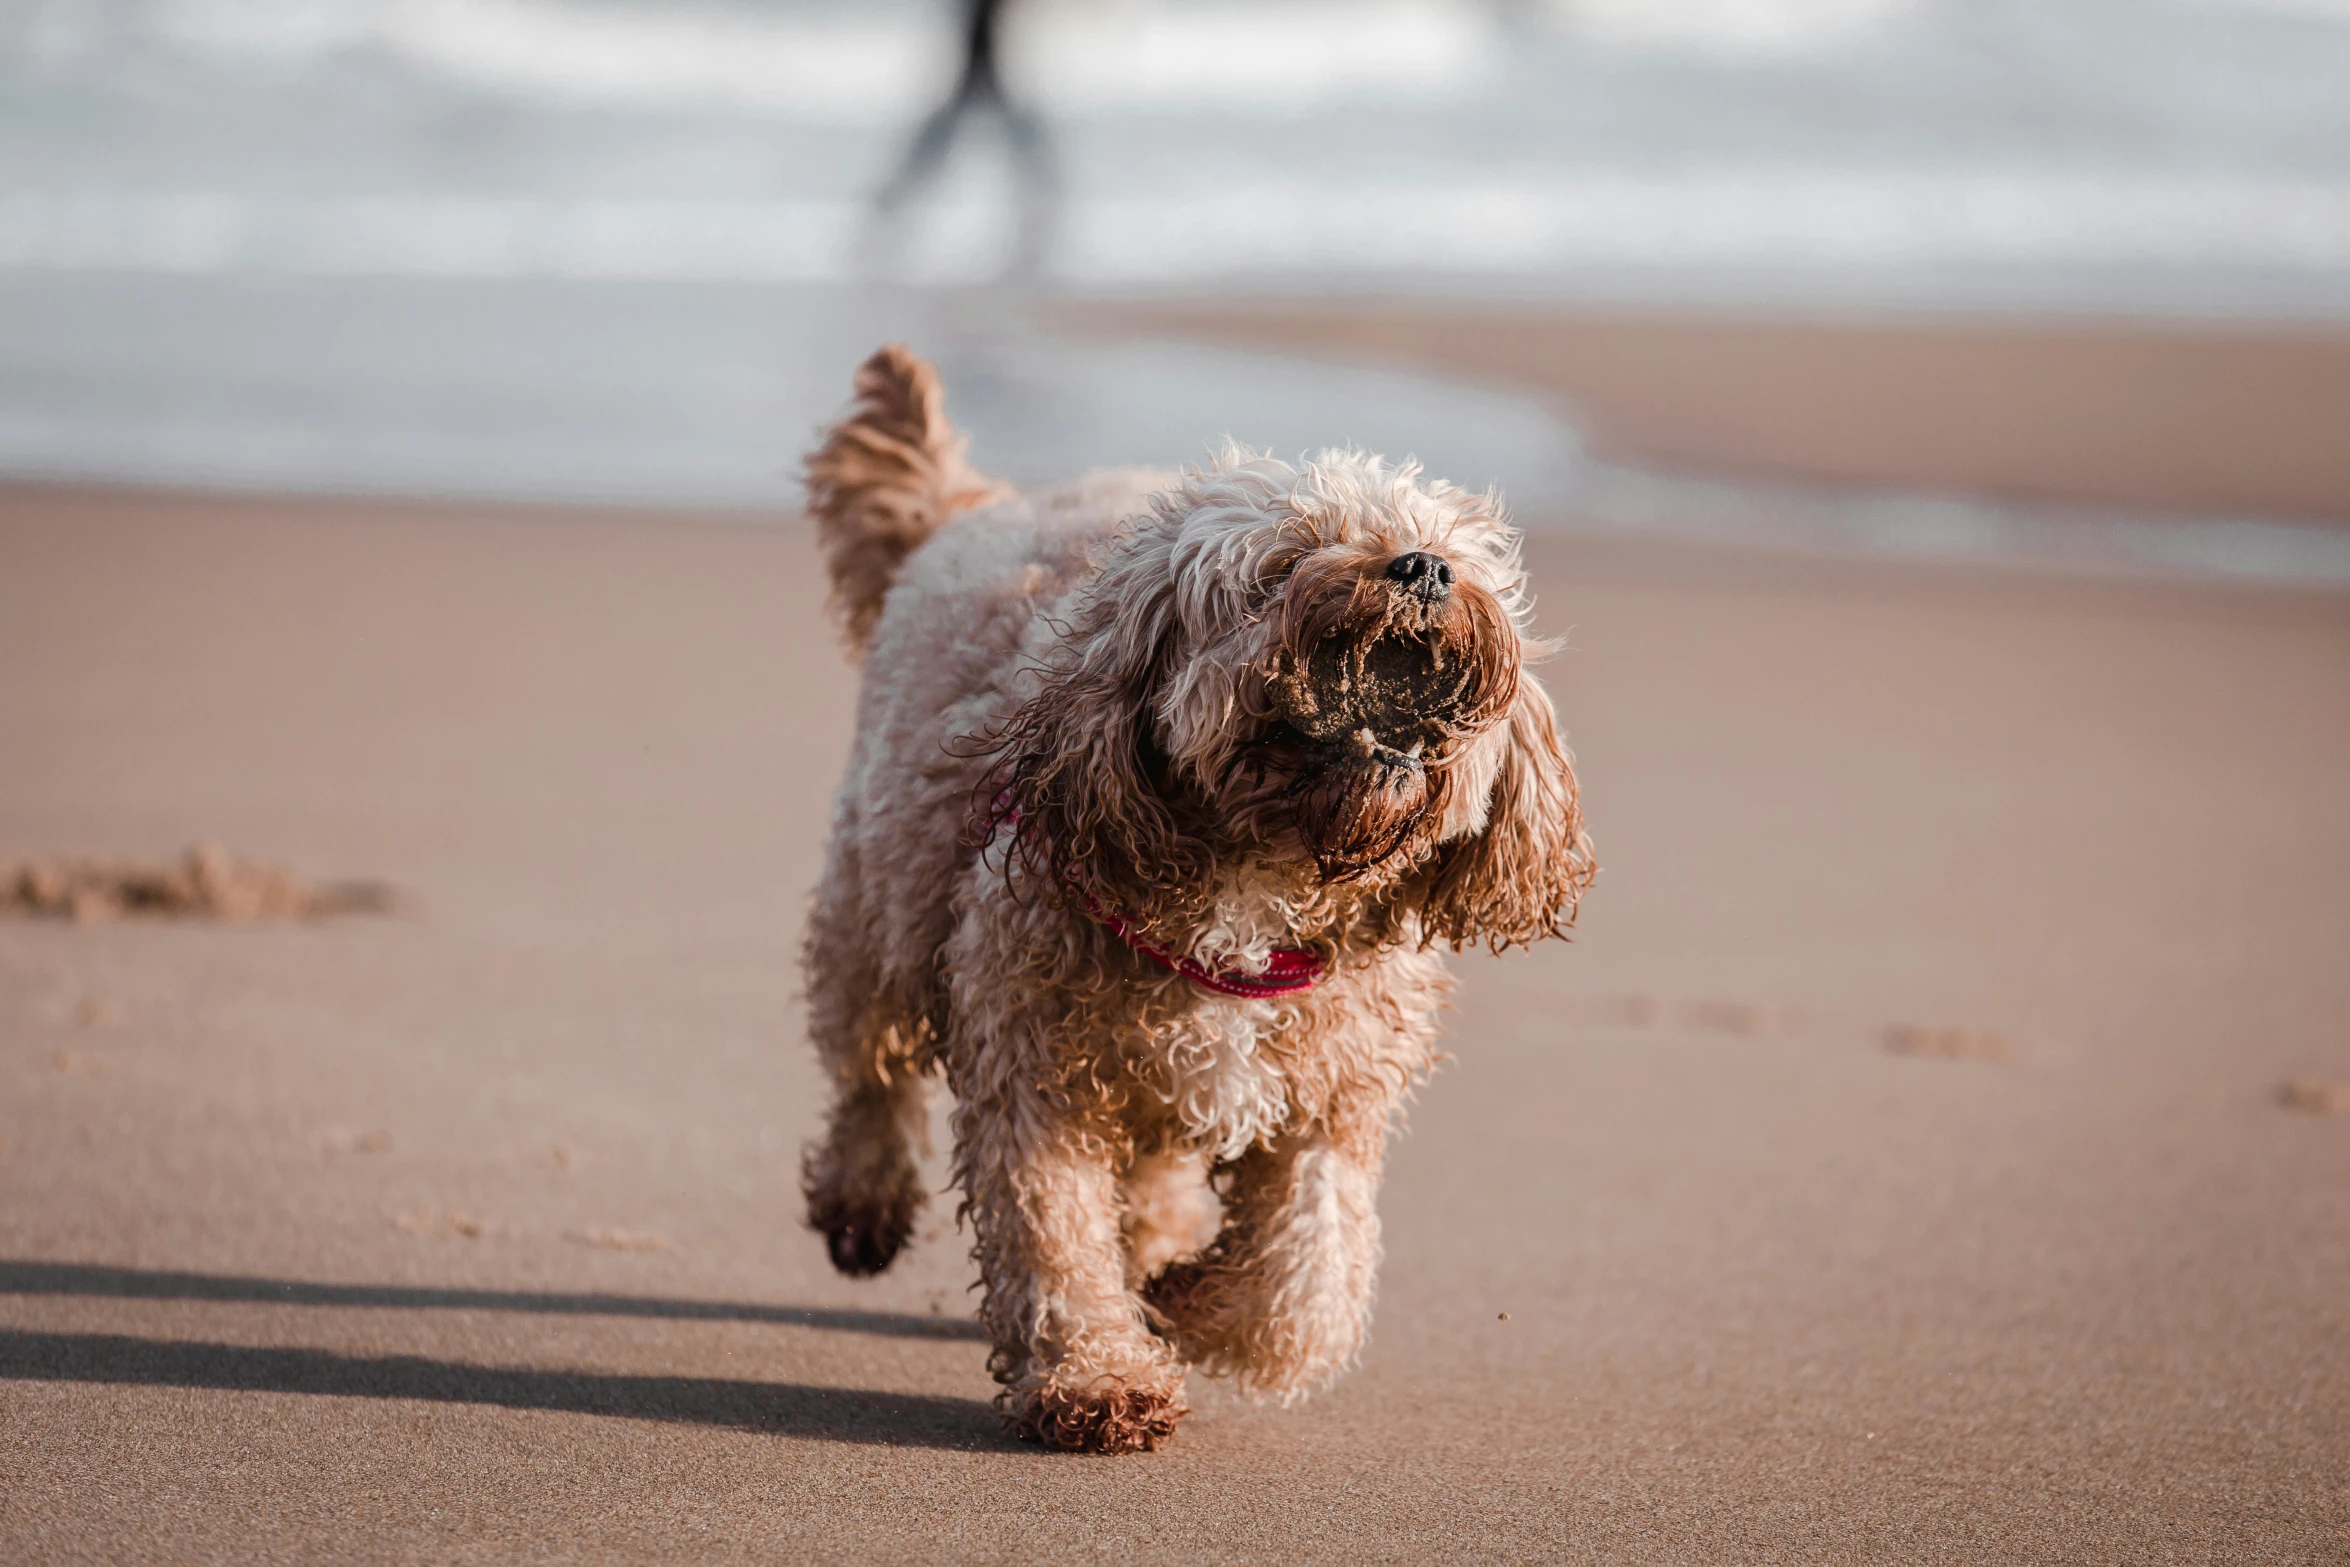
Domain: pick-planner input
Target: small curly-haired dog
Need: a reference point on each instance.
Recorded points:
(1165, 789)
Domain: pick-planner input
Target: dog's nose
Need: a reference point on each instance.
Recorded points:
(1428, 575)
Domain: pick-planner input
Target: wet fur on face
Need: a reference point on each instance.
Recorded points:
(1249, 707)
(1245, 681)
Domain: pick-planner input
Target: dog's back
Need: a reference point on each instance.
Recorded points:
(943, 659)
(941, 622)
(941, 617)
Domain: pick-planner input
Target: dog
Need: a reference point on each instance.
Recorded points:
(1166, 791)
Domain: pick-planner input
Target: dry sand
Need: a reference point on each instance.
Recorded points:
(1900, 1167)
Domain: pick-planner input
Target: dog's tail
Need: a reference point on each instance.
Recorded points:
(886, 478)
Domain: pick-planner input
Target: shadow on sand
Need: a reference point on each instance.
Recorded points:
(771, 1408)
(69, 1278)
(774, 1408)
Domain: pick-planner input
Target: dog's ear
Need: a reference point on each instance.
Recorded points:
(1079, 774)
(1521, 877)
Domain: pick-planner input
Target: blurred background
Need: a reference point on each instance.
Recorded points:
(2061, 280)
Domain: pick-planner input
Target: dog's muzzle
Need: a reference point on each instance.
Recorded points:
(1399, 692)
(1369, 718)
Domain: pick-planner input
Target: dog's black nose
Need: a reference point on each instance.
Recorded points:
(1428, 575)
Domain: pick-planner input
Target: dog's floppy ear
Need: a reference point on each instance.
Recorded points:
(1079, 775)
(1522, 877)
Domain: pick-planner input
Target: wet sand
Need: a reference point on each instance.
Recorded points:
(2229, 419)
(1900, 1166)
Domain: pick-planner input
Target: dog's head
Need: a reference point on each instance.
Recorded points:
(1321, 666)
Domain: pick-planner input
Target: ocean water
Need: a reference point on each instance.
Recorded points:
(622, 249)
(2184, 154)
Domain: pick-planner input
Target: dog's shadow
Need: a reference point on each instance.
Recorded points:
(774, 1408)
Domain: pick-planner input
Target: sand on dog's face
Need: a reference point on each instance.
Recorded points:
(1397, 687)
(1334, 653)
(1375, 689)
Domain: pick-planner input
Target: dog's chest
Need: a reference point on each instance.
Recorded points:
(1226, 1088)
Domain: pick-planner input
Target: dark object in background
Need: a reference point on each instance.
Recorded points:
(979, 90)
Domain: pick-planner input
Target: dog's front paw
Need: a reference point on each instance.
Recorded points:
(1107, 1415)
(864, 1226)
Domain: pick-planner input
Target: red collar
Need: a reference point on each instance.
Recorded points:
(1291, 970)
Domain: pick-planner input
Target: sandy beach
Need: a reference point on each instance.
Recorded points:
(1894, 1169)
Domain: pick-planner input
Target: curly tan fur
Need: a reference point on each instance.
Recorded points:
(1221, 704)
(885, 479)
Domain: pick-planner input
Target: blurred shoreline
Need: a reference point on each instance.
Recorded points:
(2211, 418)
(2142, 448)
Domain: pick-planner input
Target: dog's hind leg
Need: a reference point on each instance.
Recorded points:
(860, 1180)
(1172, 1214)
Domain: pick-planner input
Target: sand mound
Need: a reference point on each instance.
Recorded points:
(205, 884)
(2318, 1098)
(1948, 1044)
